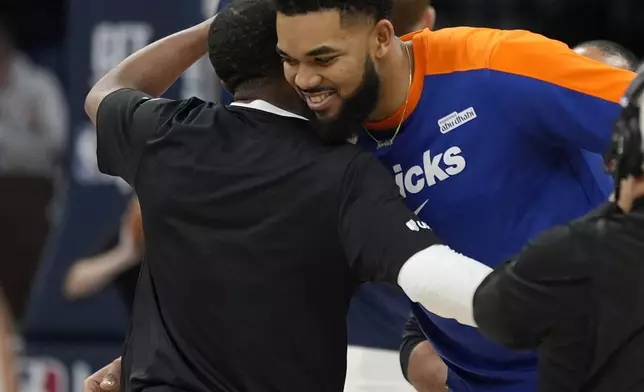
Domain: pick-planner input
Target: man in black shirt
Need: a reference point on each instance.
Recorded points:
(577, 291)
(257, 233)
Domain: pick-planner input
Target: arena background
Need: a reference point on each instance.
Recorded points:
(82, 39)
(64, 341)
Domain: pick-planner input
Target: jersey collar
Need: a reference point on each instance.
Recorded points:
(264, 106)
(418, 45)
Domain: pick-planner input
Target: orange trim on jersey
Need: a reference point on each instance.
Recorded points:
(440, 52)
(515, 52)
(415, 91)
(458, 49)
(522, 53)
(531, 55)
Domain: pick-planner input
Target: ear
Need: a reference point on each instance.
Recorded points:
(384, 37)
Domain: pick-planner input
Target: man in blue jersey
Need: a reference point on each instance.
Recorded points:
(379, 312)
(417, 357)
(492, 137)
(416, 353)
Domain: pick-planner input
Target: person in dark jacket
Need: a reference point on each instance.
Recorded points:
(577, 292)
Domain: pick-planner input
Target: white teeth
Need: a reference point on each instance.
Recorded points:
(319, 98)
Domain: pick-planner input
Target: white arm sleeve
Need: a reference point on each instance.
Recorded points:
(443, 281)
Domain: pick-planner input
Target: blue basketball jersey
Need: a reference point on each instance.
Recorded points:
(502, 139)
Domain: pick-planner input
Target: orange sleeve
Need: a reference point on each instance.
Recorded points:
(534, 56)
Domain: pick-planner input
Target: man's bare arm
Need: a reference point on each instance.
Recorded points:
(154, 68)
(426, 370)
(420, 363)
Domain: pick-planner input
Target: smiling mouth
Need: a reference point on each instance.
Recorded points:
(318, 101)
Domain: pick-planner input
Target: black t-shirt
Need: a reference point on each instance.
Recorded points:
(126, 281)
(257, 235)
(576, 293)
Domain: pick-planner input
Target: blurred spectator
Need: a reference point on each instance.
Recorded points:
(412, 15)
(33, 115)
(7, 361)
(119, 263)
(609, 53)
(33, 132)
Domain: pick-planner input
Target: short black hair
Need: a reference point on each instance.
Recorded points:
(613, 49)
(376, 9)
(241, 43)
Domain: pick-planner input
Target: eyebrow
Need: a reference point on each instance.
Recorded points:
(281, 52)
(320, 50)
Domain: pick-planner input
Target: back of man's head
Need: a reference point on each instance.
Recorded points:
(610, 53)
(412, 15)
(241, 44)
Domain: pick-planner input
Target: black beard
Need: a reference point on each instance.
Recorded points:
(354, 112)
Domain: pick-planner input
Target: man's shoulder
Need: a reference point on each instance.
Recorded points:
(604, 224)
(470, 53)
(456, 49)
(575, 238)
(340, 160)
(189, 114)
(599, 220)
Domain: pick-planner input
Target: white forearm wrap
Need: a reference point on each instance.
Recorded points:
(443, 281)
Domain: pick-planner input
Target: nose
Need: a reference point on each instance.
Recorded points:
(307, 78)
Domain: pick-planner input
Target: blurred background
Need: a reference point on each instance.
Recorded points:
(70, 241)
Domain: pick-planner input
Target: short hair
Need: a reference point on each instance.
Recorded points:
(640, 69)
(241, 43)
(406, 14)
(613, 49)
(375, 9)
